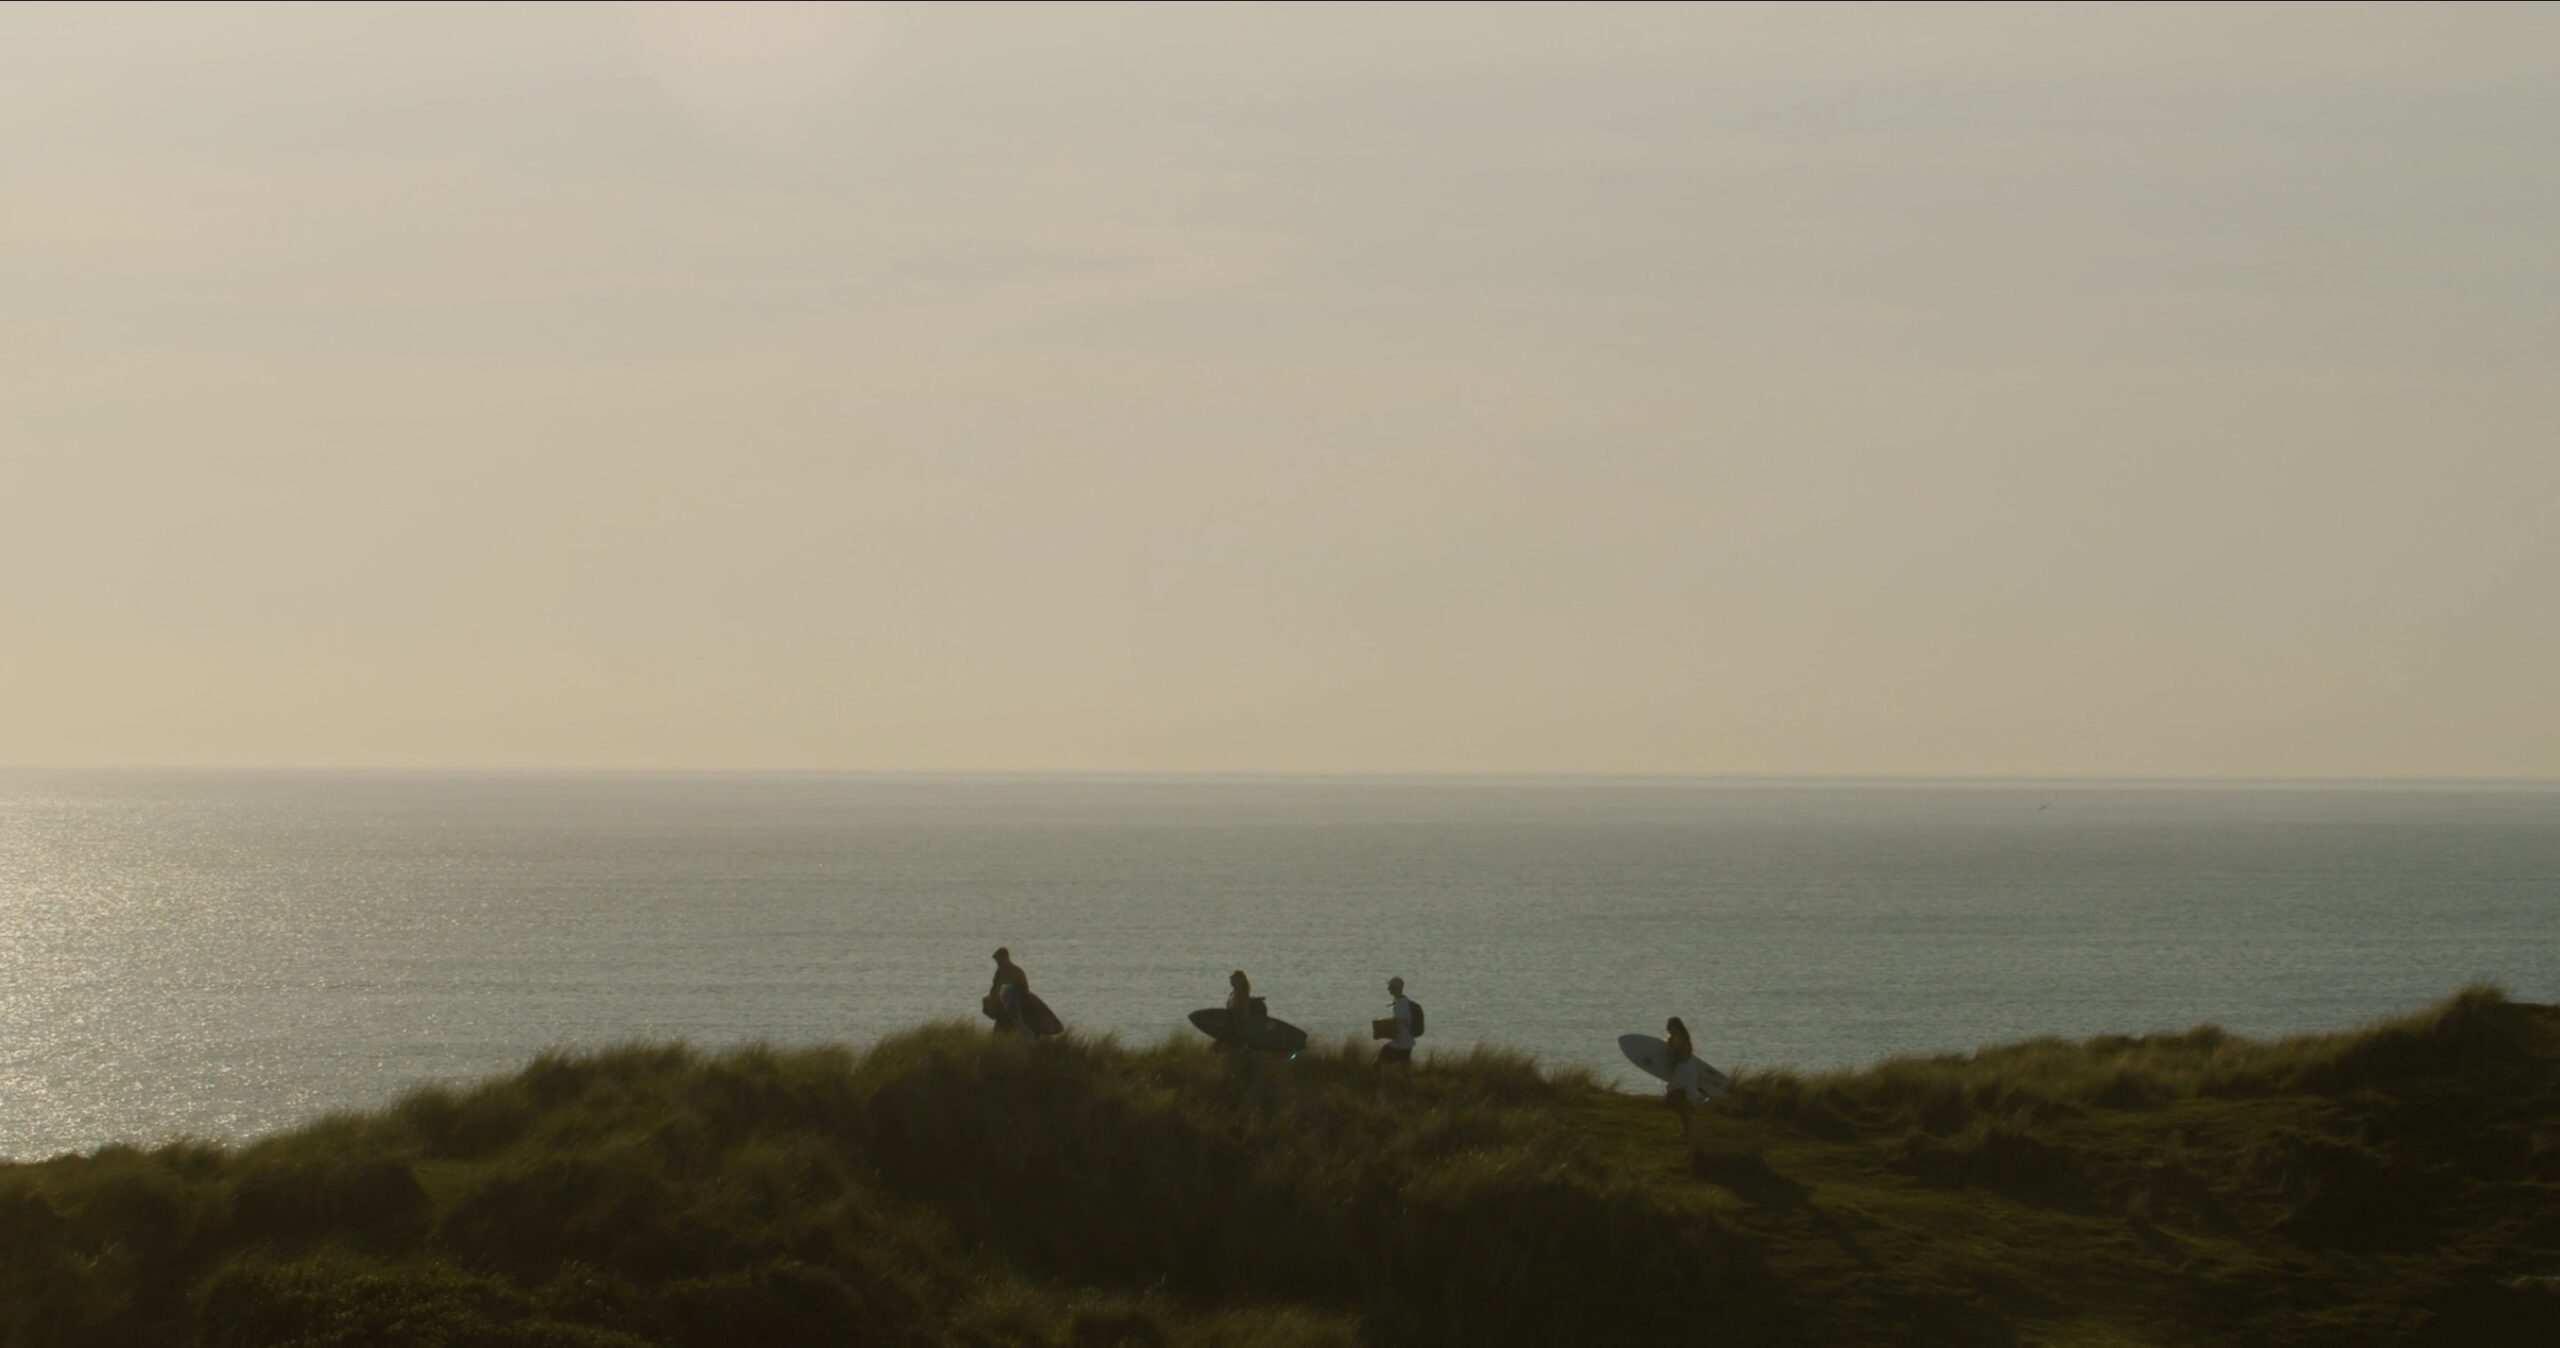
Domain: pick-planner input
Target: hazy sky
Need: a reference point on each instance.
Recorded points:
(2149, 391)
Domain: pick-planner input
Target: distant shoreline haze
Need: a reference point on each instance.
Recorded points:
(2062, 781)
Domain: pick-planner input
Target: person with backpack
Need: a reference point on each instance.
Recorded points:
(1403, 1021)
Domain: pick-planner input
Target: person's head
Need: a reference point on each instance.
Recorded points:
(1003, 956)
(1395, 986)
(1675, 1029)
(1238, 980)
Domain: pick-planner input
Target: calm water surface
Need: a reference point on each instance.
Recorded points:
(225, 955)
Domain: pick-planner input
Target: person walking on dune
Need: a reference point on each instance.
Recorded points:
(1006, 993)
(1240, 1008)
(1684, 1071)
(1401, 1024)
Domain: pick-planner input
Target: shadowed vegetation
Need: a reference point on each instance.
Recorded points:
(953, 1187)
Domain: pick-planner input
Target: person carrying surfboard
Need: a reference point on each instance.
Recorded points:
(1398, 1050)
(1004, 996)
(1672, 1060)
(1675, 1036)
(1240, 1008)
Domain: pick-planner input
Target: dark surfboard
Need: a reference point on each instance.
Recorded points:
(1036, 1015)
(1268, 1035)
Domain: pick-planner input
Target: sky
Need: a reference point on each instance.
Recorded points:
(1941, 391)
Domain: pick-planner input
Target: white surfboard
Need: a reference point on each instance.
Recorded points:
(1654, 1056)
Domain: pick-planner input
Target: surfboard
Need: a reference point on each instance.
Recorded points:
(1654, 1056)
(1271, 1036)
(1036, 1015)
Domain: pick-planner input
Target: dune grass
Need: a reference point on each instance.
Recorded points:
(2393, 1184)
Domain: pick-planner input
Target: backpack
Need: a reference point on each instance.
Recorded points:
(1416, 1008)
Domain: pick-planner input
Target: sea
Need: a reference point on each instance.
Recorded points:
(223, 956)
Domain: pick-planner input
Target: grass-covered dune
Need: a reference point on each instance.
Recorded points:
(2398, 1184)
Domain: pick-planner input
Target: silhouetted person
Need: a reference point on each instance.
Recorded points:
(1241, 1011)
(1676, 1036)
(1398, 1050)
(1005, 995)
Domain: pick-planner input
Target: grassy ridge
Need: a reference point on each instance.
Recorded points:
(2398, 1183)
